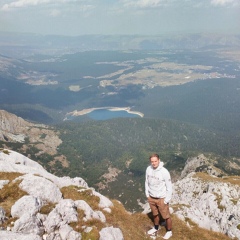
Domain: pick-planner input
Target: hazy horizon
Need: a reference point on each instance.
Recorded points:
(120, 17)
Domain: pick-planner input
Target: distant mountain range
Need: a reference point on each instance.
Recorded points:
(23, 45)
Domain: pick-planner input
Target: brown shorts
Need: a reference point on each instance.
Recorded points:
(157, 205)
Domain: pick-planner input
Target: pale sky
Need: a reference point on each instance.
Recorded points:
(144, 17)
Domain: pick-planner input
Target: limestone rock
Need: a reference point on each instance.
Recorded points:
(212, 204)
(34, 186)
(89, 213)
(26, 204)
(199, 163)
(28, 224)
(11, 161)
(111, 233)
(16, 129)
(64, 213)
(67, 233)
(11, 123)
(43, 188)
(2, 215)
(3, 182)
(7, 235)
(104, 202)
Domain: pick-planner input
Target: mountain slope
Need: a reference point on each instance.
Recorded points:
(211, 202)
(16, 129)
(112, 155)
(35, 204)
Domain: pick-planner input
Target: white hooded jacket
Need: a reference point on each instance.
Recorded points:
(158, 183)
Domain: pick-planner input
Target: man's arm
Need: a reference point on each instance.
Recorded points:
(146, 186)
(168, 183)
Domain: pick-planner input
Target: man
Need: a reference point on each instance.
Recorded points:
(158, 190)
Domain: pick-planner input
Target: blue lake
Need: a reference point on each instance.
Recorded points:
(104, 114)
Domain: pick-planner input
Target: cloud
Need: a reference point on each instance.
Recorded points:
(190, 3)
(23, 3)
(143, 3)
(224, 2)
(28, 3)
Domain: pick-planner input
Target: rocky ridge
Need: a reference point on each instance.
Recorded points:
(43, 188)
(211, 202)
(16, 129)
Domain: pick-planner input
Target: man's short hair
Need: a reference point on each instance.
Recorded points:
(154, 155)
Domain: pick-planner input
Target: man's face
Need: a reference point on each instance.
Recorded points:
(155, 162)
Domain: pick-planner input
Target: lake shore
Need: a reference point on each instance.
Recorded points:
(88, 110)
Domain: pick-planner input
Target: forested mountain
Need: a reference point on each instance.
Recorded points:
(112, 155)
(121, 147)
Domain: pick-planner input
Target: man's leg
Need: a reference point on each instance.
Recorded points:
(156, 221)
(164, 210)
(169, 224)
(154, 209)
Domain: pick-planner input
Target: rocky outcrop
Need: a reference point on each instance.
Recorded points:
(12, 127)
(16, 129)
(11, 123)
(110, 233)
(43, 188)
(210, 201)
(11, 161)
(200, 164)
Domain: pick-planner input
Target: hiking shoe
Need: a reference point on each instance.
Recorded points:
(167, 235)
(152, 231)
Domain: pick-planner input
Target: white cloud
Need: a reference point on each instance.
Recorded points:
(181, 4)
(224, 2)
(23, 3)
(28, 3)
(143, 3)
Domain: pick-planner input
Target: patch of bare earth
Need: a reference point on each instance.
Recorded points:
(62, 159)
(44, 139)
(111, 176)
